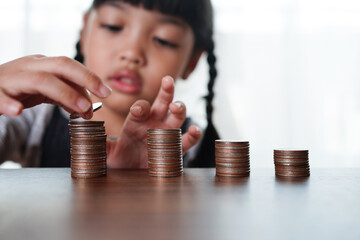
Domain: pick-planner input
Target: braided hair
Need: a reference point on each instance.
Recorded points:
(199, 15)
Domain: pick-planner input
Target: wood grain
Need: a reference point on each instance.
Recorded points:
(128, 204)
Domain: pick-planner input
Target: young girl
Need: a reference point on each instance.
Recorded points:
(131, 45)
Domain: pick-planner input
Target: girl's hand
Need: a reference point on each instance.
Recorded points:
(130, 150)
(31, 80)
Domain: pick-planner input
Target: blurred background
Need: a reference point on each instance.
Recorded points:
(289, 70)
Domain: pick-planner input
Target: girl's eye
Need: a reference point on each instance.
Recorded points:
(165, 43)
(111, 28)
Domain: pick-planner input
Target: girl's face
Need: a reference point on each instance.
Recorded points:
(132, 49)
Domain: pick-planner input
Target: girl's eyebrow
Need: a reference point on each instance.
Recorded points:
(172, 21)
(164, 19)
(115, 4)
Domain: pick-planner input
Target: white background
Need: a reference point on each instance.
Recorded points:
(288, 70)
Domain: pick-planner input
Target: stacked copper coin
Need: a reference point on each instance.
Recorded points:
(88, 149)
(291, 163)
(164, 152)
(232, 158)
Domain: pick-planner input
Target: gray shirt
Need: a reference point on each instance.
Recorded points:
(21, 137)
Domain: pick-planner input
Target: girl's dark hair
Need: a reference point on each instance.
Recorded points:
(198, 14)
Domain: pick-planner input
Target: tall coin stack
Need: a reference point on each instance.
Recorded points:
(164, 152)
(88, 149)
(232, 158)
(292, 163)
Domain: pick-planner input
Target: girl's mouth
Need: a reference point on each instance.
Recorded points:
(126, 82)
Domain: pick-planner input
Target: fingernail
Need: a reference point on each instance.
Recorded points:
(137, 109)
(179, 105)
(168, 79)
(83, 104)
(105, 90)
(13, 109)
(197, 129)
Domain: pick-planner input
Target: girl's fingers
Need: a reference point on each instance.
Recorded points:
(139, 113)
(190, 138)
(71, 70)
(165, 96)
(83, 92)
(9, 106)
(51, 87)
(177, 116)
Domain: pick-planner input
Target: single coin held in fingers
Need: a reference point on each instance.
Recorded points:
(95, 107)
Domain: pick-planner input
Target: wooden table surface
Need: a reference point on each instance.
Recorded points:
(47, 203)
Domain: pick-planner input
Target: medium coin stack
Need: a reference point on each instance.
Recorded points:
(291, 163)
(88, 149)
(164, 152)
(232, 158)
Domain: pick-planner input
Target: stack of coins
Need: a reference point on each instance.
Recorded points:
(164, 152)
(232, 158)
(291, 163)
(88, 149)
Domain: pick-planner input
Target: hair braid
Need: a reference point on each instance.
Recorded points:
(211, 59)
(79, 57)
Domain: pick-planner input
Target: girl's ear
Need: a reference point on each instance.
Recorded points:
(83, 31)
(192, 64)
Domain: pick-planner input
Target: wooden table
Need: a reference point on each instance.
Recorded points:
(128, 204)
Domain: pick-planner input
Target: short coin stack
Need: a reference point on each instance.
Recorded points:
(232, 158)
(291, 163)
(88, 149)
(164, 152)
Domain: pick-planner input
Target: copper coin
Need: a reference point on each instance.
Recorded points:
(75, 122)
(154, 164)
(88, 160)
(87, 155)
(81, 164)
(232, 165)
(88, 171)
(164, 130)
(292, 168)
(96, 157)
(297, 162)
(165, 167)
(292, 175)
(163, 174)
(291, 153)
(292, 164)
(92, 147)
(231, 142)
(87, 175)
(278, 170)
(163, 153)
(240, 159)
(232, 175)
(232, 147)
(159, 148)
(231, 155)
(165, 160)
(232, 162)
(232, 170)
(90, 138)
(220, 152)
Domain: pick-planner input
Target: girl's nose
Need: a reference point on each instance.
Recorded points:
(132, 55)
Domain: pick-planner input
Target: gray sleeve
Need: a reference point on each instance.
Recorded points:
(21, 137)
